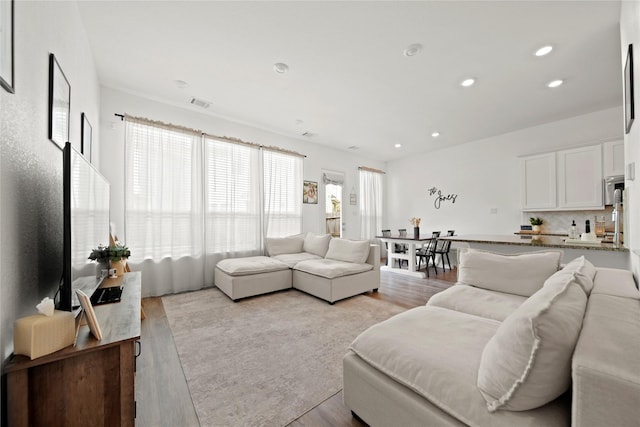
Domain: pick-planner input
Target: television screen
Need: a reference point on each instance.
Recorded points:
(86, 225)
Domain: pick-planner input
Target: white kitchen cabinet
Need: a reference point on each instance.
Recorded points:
(539, 181)
(579, 177)
(563, 180)
(613, 157)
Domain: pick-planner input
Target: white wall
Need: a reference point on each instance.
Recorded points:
(318, 157)
(630, 33)
(30, 164)
(484, 175)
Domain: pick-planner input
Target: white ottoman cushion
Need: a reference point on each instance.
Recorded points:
(250, 265)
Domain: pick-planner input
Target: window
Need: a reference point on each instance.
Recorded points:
(232, 197)
(163, 202)
(189, 194)
(371, 197)
(282, 174)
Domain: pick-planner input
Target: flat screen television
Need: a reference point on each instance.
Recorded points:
(86, 225)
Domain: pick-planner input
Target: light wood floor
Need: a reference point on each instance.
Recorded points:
(162, 394)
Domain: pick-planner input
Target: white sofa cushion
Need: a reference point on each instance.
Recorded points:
(316, 244)
(292, 259)
(284, 245)
(527, 363)
(476, 301)
(585, 273)
(250, 265)
(436, 352)
(520, 274)
(356, 251)
(331, 268)
(615, 282)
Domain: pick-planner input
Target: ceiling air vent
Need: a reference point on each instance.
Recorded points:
(200, 103)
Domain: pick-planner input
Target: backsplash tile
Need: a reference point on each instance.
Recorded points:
(560, 221)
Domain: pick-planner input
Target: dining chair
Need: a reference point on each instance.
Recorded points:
(442, 248)
(386, 233)
(401, 248)
(428, 252)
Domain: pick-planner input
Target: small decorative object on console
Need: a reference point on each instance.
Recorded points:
(114, 254)
(44, 333)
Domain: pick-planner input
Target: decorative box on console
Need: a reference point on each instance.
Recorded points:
(39, 335)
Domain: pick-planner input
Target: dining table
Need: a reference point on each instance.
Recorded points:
(410, 256)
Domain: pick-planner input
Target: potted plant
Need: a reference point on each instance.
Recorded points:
(114, 255)
(536, 223)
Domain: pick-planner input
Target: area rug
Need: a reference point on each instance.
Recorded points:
(267, 360)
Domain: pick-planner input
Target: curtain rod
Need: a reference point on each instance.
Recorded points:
(366, 168)
(197, 131)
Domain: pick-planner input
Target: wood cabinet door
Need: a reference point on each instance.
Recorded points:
(580, 182)
(538, 181)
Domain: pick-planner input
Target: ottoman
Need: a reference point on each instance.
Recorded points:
(245, 277)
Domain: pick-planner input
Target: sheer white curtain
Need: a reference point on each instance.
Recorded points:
(371, 196)
(192, 200)
(163, 207)
(282, 193)
(233, 201)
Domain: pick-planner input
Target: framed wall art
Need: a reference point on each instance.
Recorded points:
(310, 192)
(629, 108)
(6, 45)
(59, 103)
(86, 137)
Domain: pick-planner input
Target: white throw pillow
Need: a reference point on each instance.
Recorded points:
(527, 363)
(316, 244)
(284, 245)
(518, 274)
(585, 273)
(348, 250)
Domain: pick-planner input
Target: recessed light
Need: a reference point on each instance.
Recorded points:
(545, 50)
(467, 82)
(398, 145)
(200, 102)
(280, 67)
(413, 50)
(554, 83)
(435, 134)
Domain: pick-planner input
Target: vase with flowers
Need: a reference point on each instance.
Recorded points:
(416, 227)
(114, 256)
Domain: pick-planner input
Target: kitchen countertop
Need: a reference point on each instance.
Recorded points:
(532, 240)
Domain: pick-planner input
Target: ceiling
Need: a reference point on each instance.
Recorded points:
(349, 84)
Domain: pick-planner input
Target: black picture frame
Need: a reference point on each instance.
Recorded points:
(86, 137)
(6, 46)
(59, 103)
(629, 108)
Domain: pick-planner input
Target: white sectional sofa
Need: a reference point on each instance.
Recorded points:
(514, 343)
(326, 267)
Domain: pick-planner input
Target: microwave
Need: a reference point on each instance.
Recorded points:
(611, 184)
